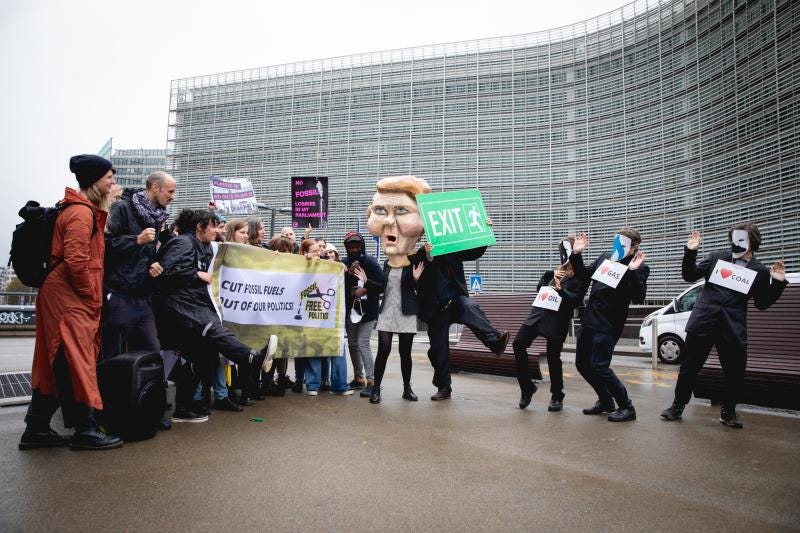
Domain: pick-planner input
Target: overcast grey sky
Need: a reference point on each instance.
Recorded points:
(77, 72)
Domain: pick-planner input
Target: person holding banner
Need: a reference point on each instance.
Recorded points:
(394, 217)
(188, 321)
(558, 293)
(719, 317)
(620, 277)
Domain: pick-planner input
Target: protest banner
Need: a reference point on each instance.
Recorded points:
(310, 201)
(258, 293)
(233, 196)
(455, 221)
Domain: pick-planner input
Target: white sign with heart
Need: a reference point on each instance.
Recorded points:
(730, 276)
(610, 273)
(547, 298)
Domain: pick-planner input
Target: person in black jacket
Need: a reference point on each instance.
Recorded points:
(444, 300)
(136, 228)
(604, 318)
(552, 324)
(719, 317)
(188, 322)
(364, 297)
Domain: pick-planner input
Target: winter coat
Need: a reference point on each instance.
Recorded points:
(182, 297)
(374, 284)
(723, 311)
(69, 302)
(555, 324)
(127, 263)
(607, 309)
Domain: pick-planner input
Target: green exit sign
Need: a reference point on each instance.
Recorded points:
(455, 221)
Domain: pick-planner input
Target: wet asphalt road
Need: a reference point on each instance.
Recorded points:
(473, 463)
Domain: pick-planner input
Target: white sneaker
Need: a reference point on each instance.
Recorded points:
(272, 347)
(311, 392)
(347, 392)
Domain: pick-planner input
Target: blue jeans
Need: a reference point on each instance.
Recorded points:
(218, 382)
(326, 369)
(314, 368)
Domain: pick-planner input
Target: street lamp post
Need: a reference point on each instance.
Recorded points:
(272, 211)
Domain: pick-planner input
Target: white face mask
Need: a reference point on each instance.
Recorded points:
(740, 243)
(565, 251)
(622, 247)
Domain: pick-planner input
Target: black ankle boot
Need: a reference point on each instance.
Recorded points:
(673, 412)
(408, 394)
(43, 437)
(375, 394)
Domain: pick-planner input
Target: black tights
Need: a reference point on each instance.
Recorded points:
(385, 346)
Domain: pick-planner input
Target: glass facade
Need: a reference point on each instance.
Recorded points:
(133, 165)
(664, 116)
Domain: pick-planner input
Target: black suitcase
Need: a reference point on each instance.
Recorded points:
(134, 394)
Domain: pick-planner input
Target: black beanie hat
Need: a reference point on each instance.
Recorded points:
(88, 168)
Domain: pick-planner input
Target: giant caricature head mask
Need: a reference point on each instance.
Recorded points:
(394, 216)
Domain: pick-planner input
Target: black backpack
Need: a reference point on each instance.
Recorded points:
(32, 240)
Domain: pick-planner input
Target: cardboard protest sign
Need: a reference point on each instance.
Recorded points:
(310, 201)
(730, 276)
(258, 293)
(455, 221)
(233, 196)
(610, 273)
(547, 298)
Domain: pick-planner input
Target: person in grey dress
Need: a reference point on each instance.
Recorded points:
(394, 217)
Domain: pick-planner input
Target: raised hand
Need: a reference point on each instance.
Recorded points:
(637, 261)
(489, 221)
(695, 238)
(581, 242)
(778, 270)
(428, 248)
(417, 271)
(307, 231)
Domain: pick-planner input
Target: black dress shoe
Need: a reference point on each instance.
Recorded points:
(555, 405)
(200, 407)
(285, 382)
(500, 347)
(673, 412)
(623, 414)
(246, 400)
(375, 397)
(727, 416)
(94, 439)
(42, 439)
(527, 395)
(599, 409)
(225, 404)
(271, 389)
(442, 394)
(408, 394)
(297, 387)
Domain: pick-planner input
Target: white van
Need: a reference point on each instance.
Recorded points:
(672, 320)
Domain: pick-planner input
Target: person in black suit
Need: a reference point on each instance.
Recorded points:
(603, 320)
(719, 317)
(444, 300)
(552, 324)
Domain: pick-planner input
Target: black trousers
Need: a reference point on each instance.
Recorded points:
(593, 360)
(199, 345)
(461, 310)
(128, 324)
(405, 341)
(43, 406)
(523, 340)
(732, 357)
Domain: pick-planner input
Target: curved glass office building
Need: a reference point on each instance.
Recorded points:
(665, 116)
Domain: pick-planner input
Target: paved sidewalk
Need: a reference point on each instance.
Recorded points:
(472, 463)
